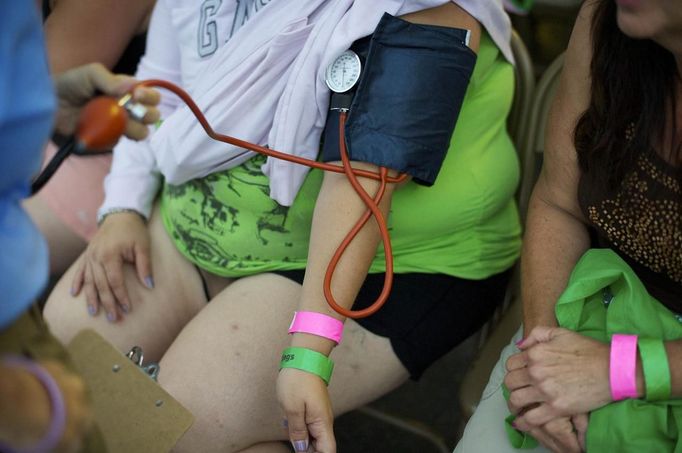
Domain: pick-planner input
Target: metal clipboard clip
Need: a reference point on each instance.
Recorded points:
(137, 357)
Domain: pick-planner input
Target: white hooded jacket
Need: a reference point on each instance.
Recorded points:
(256, 69)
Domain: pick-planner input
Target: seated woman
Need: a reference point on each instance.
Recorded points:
(611, 180)
(257, 248)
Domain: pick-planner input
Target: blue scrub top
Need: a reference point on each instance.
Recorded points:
(26, 113)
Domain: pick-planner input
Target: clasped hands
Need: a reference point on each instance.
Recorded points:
(554, 382)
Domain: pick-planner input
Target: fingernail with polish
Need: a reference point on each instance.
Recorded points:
(125, 309)
(520, 342)
(72, 291)
(149, 282)
(300, 445)
(92, 310)
(111, 317)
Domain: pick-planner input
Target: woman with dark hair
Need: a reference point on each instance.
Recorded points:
(601, 261)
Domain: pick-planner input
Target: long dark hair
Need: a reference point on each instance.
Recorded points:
(633, 81)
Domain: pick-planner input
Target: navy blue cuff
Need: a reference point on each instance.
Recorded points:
(408, 99)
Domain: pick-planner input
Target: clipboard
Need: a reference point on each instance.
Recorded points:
(133, 412)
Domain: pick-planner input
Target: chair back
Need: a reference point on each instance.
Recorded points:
(534, 146)
(519, 114)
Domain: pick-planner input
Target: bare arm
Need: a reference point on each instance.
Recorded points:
(302, 396)
(78, 32)
(338, 208)
(556, 234)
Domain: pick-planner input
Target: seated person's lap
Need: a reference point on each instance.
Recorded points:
(157, 315)
(485, 432)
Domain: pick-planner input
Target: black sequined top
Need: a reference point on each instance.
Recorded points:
(642, 222)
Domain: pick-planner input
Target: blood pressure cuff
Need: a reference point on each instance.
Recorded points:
(408, 98)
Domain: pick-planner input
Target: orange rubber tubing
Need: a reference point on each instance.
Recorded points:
(372, 203)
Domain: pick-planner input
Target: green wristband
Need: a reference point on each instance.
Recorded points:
(308, 360)
(656, 369)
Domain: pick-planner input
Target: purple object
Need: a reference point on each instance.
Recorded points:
(56, 428)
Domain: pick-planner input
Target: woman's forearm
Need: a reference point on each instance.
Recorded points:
(556, 235)
(337, 209)
(554, 242)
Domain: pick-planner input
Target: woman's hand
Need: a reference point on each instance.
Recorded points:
(31, 416)
(563, 434)
(122, 238)
(308, 411)
(79, 85)
(557, 373)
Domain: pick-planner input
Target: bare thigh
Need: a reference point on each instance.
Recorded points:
(64, 244)
(224, 365)
(158, 315)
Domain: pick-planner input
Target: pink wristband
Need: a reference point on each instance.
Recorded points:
(623, 367)
(317, 324)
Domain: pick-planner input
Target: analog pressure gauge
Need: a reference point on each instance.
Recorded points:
(344, 72)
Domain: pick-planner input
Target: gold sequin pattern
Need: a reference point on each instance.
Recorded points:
(644, 219)
(654, 173)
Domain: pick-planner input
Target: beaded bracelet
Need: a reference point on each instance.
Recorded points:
(308, 360)
(56, 429)
(656, 369)
(317, 324)
(623, 367)
(103, 215)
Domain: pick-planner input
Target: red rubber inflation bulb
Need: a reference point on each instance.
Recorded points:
(101, 124)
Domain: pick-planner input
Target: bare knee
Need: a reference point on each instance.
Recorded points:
(60, 311)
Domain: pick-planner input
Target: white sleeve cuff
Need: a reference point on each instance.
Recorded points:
(136, 192)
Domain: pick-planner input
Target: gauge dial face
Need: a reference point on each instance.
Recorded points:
(343, 73)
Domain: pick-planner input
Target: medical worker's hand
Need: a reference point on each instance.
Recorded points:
(30, 416)
(122, 238)
(557, 373)
(308, 411)
(77, 86)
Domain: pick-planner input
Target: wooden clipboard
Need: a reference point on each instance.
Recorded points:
(133, 412)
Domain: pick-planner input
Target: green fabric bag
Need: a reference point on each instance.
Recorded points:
(604, 296)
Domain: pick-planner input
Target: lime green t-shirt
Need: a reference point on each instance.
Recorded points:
(465, 225)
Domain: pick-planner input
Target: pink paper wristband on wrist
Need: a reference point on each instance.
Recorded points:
(623, 367)
(317, 324)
